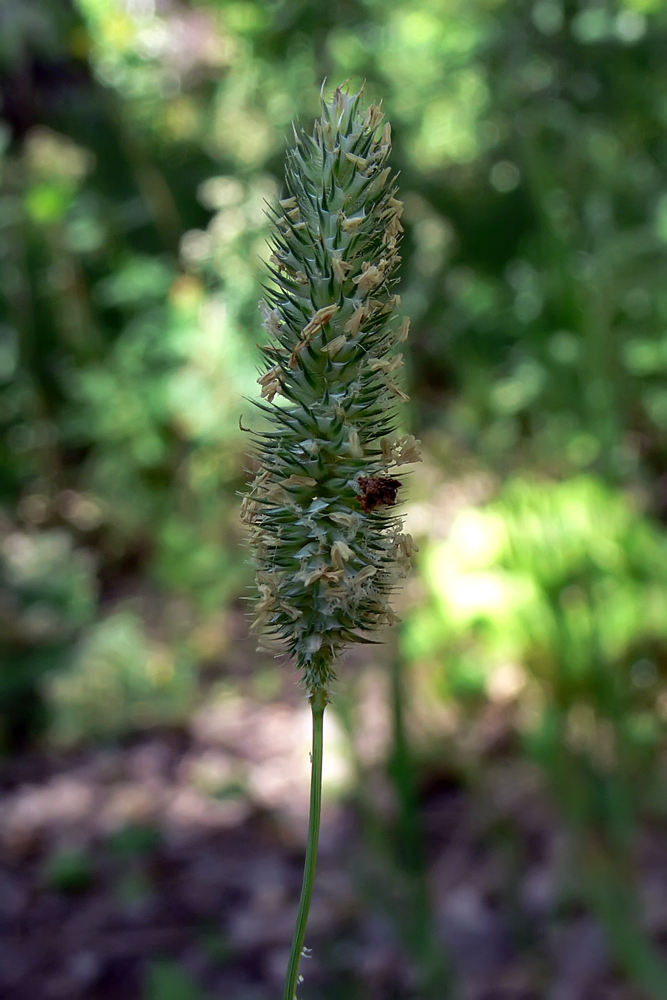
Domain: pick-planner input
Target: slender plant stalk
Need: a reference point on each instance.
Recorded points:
(318, 703)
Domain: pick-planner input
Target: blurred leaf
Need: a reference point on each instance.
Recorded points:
(138, 280)
(165, 980)
(134, 840)
(69, 871)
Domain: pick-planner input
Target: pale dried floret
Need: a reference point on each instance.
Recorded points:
(344, 519)
(396, 207)
(265, 605)
(396, 390)
(272, 540)
(406, 545)
(295, 480)
(260, 479)
(326, 573)
(340, 554)
(333, 575)
(358, 161)
(319, 319)
(265, 645)
(388, 445)
(403, 331)
(272, 375)
(400, 451)
(404, 549)
(309, 577)
(350, 225)
(316, 322)
(339, 266)
(364, 574)
(270, 390)
(277, 494)
(249, 510)
(271, 317)
(334, 346)
(354, 444)
(409, 450)
(382, 177)
(386, 365)
(394, 227)
(374, 116)
(369, 278)
(356, 319)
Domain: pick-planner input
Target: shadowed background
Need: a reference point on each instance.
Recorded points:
(495, 810)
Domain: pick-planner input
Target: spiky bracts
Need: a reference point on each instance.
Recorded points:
(327, 546)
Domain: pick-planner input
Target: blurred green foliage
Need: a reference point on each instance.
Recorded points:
(139, 142)
(165, 980)
(69, 871)
(118, 679)
(553, 599)
(134, 841)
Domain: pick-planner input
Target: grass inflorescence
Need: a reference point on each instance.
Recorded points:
(328, 546)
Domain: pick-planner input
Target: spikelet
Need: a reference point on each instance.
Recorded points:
(328, 547)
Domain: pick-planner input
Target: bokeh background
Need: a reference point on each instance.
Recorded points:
(496, 779)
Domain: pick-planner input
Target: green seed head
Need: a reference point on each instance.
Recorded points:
(328, 546)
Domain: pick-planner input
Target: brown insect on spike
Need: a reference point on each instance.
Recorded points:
(378, 491)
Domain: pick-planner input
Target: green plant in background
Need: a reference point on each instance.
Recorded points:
(69, 871)
(47, 595)
(326, 549)
(120, 679)
(545, 575)
(120, 384)
(531, 163)
(556, 595)
(528, 136)
(165, 980)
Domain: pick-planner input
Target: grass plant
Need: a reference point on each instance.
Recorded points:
(328, 547)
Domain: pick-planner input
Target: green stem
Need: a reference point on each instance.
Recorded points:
(318, 703)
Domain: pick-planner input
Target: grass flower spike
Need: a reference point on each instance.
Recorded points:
(328, 546)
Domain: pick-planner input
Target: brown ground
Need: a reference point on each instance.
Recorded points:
(183, 851)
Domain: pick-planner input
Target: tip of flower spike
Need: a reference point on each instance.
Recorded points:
(341, 108)
(374, 116)
(343, 96)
